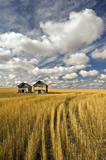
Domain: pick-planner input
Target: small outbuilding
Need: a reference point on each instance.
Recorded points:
(40, 87)
(24, 88)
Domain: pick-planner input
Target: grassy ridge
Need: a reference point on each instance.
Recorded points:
(53, 126)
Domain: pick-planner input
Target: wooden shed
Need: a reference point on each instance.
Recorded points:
(24, 88)
(40, 87)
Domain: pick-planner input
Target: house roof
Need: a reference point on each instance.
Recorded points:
(39, 83)
(23, 85)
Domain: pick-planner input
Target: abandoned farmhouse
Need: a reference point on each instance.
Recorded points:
(39, 87)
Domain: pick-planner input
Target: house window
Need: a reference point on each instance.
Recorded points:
(39, 91)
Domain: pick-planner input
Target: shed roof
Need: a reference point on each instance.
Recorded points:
(23, 85)
(40, 83)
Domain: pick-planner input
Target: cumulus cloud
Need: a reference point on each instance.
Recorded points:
(17, 64)
(81, 28)
(53, 71)
(11, 76)
(76, 84)
(54, 77)
(62, 37)
(82, 66)
(98, 54)
(91, 73)
(33, 61)
(104, 70)
(102, 76)
(56, 71)
(19, 42)
(70, 76)
(77, 59)
(44, 46)
(5, 55)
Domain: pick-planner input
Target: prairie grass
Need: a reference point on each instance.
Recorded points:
(61, 125)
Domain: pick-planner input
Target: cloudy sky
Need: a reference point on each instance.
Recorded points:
(61, 42)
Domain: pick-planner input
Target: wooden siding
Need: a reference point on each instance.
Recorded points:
(24, 88)
(40, 87)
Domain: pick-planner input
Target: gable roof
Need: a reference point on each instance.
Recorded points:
(23, 85)
(40, 83)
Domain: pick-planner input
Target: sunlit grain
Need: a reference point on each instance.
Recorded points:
(60, 125)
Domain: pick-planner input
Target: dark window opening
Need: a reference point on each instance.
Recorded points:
(22, 90)
(39, 91)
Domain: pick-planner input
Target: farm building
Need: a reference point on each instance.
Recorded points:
(24, 88)
(40, 87)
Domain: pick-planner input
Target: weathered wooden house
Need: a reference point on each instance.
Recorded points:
(24, 88)
(40, 87)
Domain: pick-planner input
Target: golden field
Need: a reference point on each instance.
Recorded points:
(60, 125)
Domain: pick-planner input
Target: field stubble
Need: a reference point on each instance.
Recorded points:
(65, 126)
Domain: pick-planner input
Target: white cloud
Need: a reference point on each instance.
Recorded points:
(102, 76)
(57, 71)
(82, 28)
(53, 71)
(17, 64)
(104, 70)
(54, 77)
(82, 66)
(91, 73)
(19, 42)
(11, 76)
(70, 76)
(33, 61)
(5, 55)
(98, 54)
(44, 46)
(77, 59)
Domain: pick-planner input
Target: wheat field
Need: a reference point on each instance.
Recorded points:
(60, 125)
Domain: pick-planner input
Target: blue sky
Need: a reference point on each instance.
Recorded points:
(62, 43)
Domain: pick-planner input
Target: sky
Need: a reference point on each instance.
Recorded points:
(62, 43)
